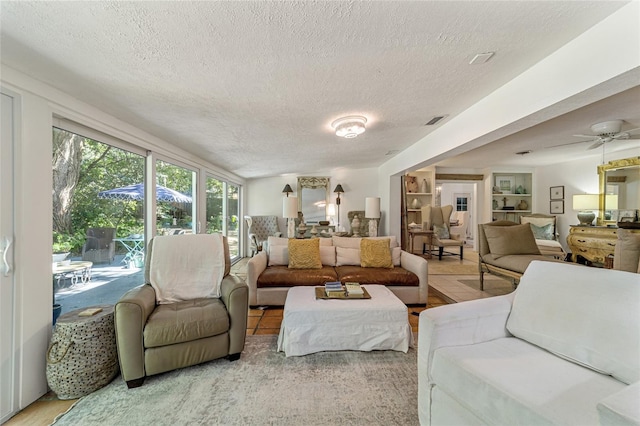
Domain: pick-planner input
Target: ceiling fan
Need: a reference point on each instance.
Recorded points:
(605, 132)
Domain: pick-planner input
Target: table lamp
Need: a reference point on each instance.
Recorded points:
(290, 211)
(372, 212)
(585, 204)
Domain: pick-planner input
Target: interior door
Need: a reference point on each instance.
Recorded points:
(8, 394)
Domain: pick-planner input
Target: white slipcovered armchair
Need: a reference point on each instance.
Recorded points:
(260, 229)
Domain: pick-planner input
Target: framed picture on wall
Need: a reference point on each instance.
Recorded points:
(556, 206)
(556, 193)
(505, 184)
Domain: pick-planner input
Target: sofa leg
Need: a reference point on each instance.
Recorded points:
(440, 251)
(234, 357)
(135, 383)
(461, 252)
(481, 280)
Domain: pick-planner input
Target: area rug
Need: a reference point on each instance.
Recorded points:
(443, 268)
(493, 287)
(263, 388)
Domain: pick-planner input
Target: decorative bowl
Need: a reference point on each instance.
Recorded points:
(323, 222)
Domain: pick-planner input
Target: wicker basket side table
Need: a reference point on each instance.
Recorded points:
(82, 355)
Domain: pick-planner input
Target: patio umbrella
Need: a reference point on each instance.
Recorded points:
(136, 192)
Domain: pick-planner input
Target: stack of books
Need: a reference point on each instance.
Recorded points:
(334, 289)
(354, 289)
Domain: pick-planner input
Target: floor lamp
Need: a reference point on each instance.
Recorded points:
(338, 191)
(290, 211)
(372, 212)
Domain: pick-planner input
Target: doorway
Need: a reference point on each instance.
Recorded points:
(462, 196)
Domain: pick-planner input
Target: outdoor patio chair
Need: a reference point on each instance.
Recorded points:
(100, 245)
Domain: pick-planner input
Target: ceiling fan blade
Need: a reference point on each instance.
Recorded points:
(632, 130)
(597, 144)
(592, 137)
(567, 144)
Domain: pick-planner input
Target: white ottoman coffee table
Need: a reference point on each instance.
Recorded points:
(310, 325)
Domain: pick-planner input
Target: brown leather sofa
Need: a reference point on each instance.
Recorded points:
(153, 339)
(269, 283)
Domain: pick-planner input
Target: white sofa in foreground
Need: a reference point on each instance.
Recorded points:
(563, 349)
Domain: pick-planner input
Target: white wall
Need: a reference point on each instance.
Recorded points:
(264, 195)
(577, 177)
(33, 211)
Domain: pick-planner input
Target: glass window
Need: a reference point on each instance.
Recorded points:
(175, 205)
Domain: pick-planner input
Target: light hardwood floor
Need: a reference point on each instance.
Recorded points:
(444, 287)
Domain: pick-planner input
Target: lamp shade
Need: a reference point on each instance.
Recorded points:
(611, 202)
(287, 190)
(372, 207)
(339, 189)
(290, 207)
(586, 202)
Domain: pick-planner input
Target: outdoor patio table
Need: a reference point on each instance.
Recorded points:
(77, 271)
(134, 246)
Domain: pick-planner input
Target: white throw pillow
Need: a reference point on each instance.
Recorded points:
(586, 315)
(346, 242)
(328, 255)
(396, 252)
(348, 256)
(278, 255)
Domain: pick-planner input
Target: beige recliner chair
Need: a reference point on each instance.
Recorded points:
(154, 338)
(437, 219)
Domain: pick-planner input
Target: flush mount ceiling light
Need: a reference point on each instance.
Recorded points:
(349, 127)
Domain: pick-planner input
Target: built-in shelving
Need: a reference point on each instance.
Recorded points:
(511, 190)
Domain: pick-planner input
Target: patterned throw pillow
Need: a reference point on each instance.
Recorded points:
(441, 231)
(542, 232)
(375, 253)
(304, 254)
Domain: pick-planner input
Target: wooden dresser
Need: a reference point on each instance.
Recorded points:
(594, 243)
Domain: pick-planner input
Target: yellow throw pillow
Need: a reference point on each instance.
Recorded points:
(375, 253)
(304, 254)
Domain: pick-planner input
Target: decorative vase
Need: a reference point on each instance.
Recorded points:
(355, 226)
(424, 187)
(523, 205)
(495, 204)
(415, 204)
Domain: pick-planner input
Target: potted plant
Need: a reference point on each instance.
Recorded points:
(62, 246)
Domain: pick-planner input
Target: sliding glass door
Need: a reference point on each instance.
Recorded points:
(223, 211)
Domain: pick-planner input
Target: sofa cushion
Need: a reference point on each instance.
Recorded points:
(516, 262)
(626, 256)
(185, 321)
(304, 254)
(393, 242)
(282, 276)
(506, 240)
(382, 276)
(346, 242)
(279, 255)
(375, 253)
(347, 256)
(508, 381)
(396, 255)
(587, 315)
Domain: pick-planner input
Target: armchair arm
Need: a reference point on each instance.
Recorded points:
(131, 314)
(459, 324)
(235, 296)
(419, 266)
(256, 265)
(621, 408)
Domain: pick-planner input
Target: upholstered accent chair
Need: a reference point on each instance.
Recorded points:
(459, 224)
(153, 338)
(100, 245)
(260, 229)
(437, 219)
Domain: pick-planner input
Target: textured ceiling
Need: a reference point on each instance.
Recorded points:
(253, 86)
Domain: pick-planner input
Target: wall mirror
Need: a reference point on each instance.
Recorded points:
(619, 190)
(313, 197)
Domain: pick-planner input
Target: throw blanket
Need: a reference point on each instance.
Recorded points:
(185, 267)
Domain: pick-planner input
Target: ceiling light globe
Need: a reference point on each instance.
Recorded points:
(349, 127)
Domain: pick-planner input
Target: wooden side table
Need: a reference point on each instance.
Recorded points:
(82, 355)
(421, 233)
